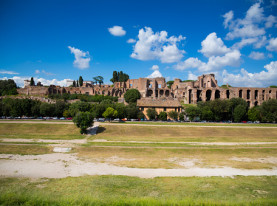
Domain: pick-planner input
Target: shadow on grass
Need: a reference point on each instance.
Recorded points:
(100, 130)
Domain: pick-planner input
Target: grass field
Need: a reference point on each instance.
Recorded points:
(157, 151)
(185, 134)
(173, 158)
(39, 131)
(200, 124)
(121, 190)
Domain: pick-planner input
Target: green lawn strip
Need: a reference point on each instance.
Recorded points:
(39, 131)
(199, 124)
(156, 144)
(25, 149)
(122, 190)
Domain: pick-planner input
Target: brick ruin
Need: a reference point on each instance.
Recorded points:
(205, 88)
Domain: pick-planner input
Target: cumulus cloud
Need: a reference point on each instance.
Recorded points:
(189, 63)
(19, 80)
(244, 78)
(158, 46)
(213, 46)
(155, 74)
(155, 67)
(131, 41)
(272, 46)
(117, 31)
(7, 72)
(256, 55)
(192, 76)
(82, 58)
(252, 25)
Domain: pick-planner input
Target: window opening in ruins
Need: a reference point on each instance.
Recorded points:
(149, 93)
(159, 86)
(161, 92)
(263, 94)
(248, 94)
(217, 94)
(227, 94)
(164, 109)
(208, 95)
(199, 96)
(131, 85)
(156, 93)
(256, 103)
(167, 93)
(240, 93)
(150, 85)
(256, 94)
(190, 96)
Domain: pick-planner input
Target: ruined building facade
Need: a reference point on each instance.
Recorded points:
(205, 88)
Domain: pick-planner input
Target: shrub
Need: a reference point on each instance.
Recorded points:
(83, 120)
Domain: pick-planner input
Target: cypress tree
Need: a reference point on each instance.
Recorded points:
(32, 83)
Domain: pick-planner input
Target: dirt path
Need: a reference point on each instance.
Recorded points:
(59, 165)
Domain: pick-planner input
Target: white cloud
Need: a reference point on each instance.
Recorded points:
(155, 74)
(252, 25)
(270, 21)
(244, 78)
(192, 76)
(228, 18)
(7, 72)
(155, 67)
(44, 72)
(213, 46)
(189, 64)
(131, 41)
(272, 46)
(82, 59)
(158, 46)
(19, 80)
(256, 55)
(37, 71)
(245, 42)
(117, 31)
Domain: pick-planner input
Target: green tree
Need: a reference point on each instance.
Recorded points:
(80, 106)
(110, 113)
(254, 114)
(169, 84)
(74, 83)
(162, 116)
(193, 112)
(115, 77)
(121, 109)
(141, 115)
(77, 84)
(239, 113)
(182, 116)
(47, 110)
(7, 87)
(269, 111)
(173, 115)
(234, 102)
(81, 81)
(206, 114)
(132, 111)
(132, 95)
(83, 120)
(151, 114)
(98, 79)
(32, 82)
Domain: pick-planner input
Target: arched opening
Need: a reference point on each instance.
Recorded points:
(190, 96)
(256, 103)
(256, 94)
(240, 93)
(161, 92)
(217, 94)
(167, 93)
(149, 93)
(199, 96)
(248, 94)
(208, 95)
(227, 94)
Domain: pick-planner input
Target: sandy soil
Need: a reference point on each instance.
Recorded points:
(59, 165)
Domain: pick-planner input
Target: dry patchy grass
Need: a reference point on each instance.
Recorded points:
(173, 158)
(24, 149)
(185, 134)
(39, 131)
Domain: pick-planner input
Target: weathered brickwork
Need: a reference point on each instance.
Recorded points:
(205, 88)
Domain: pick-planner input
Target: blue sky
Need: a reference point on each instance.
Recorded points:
(58, 40)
